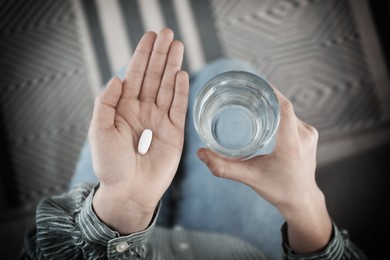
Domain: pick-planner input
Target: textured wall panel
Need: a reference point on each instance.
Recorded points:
(312, 51)
(45, 95)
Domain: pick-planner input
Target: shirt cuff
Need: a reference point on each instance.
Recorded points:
(334, 249)
(118, 247)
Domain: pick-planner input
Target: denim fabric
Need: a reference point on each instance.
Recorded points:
(219, 205)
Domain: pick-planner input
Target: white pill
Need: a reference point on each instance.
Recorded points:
(144, 141)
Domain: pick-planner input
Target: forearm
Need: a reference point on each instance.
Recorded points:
(309, 226)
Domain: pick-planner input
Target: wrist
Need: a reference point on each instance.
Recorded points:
(305, 204)
(120, 213)
(308, 222)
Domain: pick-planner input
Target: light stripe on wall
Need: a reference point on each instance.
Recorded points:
(90, 11)
(88, 49)
(187, 27)
(151, 15)
(132, 19)
(205, 23)
(117, 44)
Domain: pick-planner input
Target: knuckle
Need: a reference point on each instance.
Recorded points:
(313, 134)
(313, 131)
(218, 170)
(287, 107)
(154, 75)
(98, 100)
(169, 86)
(131, 73)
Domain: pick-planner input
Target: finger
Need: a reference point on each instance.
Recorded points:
(288, 124)
(222, 167)
(178, 109)
(156, 65)
(136, 69)
(286, 107)
(105, 104)
(167, 88)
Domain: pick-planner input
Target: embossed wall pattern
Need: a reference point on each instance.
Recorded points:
(311, 50)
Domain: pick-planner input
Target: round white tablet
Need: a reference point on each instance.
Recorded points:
(144, 141)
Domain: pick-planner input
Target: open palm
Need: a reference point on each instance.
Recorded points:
(153, 95)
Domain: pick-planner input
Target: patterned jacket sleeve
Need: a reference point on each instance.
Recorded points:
(67, 226)
(340, 247)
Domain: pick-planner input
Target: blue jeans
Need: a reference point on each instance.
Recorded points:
(197, 200)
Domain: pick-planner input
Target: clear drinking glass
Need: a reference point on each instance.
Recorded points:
(236, 114)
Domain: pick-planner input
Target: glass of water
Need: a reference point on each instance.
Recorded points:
(236, 114)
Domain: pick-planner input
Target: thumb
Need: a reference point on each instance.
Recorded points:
(105, 104)
(223, 167)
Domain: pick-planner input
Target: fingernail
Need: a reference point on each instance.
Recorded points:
(202, 156)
